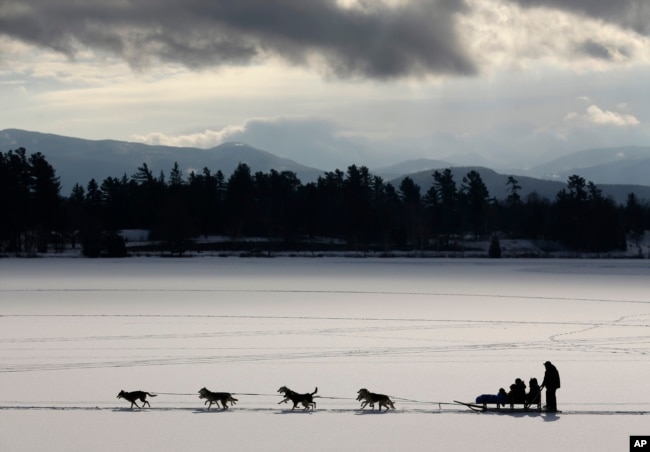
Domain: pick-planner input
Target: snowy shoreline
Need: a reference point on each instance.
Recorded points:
(137, 245)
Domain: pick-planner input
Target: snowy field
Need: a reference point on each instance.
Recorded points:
(74, 332)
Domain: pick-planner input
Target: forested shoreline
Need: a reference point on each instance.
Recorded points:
(355, 210)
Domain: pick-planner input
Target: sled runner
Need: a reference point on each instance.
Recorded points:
(510, 408)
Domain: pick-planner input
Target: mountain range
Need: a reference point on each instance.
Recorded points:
(616, 171)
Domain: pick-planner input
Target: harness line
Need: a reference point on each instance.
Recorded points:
(174, 393)
(316, 396)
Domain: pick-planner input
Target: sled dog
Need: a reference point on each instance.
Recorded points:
(307, 400)
(370, 398)
(216, 397)
(135, 395)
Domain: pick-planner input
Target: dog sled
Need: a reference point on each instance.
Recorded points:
(516, 401)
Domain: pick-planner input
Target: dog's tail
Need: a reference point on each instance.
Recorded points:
(315, 391)
(152, 395)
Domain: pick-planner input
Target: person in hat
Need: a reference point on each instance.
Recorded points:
(551, 383)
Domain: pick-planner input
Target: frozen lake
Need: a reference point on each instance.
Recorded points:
(74, 332)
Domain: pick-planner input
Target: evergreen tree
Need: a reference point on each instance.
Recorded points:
(240, 202)
(330, 205)
(513, 209)
(495, 247)
(205, 199)
(176, 176)
(357, 196)
(14, 199)
(91, 233)
(412, 208)
(45, 200)
(633, 217)
(74, 216)
(513, 191)
(584, 219)
(476, 198)
(447, 215)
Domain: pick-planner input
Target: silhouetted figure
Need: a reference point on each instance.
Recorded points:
(533, 397)
(520, 391)
(512, 394)
(499, 399)
(551, 383)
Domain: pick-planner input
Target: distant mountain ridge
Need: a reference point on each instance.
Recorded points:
(616, 171)
(78, 160)
(614, 165)
(410, 166)
(497, 184)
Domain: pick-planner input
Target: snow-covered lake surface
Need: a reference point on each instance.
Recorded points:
(74, 332)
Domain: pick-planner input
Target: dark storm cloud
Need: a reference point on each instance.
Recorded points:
(418, 38)
(633, 14)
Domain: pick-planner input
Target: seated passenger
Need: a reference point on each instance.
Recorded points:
(534, 396)
(519, 391)
(512, 394)
(499, 399)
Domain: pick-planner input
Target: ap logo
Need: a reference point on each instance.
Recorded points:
(640, 443)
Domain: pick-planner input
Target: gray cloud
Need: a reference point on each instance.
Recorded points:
(311, 141)
(633, 14)
(596, 50)
(418, 38)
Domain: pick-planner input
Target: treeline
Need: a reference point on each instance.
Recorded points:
(354, 208)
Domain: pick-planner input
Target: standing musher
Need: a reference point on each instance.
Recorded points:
(551, 383)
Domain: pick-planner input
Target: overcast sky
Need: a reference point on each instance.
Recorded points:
(329, 83)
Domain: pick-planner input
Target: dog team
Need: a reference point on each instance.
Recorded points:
(366, 398)
(517, 395)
